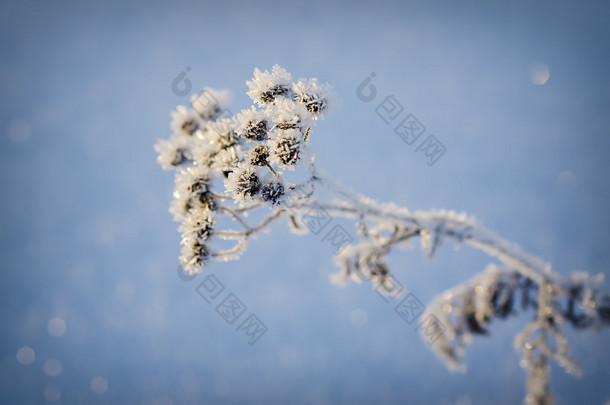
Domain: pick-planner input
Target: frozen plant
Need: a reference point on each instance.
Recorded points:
(230, 169)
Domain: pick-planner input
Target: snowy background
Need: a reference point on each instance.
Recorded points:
(85, 235)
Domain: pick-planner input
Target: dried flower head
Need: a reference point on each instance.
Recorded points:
(244, 183)
(210, 103)
(288, 114)
(273, 192)
(266, 86)
(185, 121)
(194, 255)
(285, 148)
(316, 97)
(259, 155)
(173, 153)
(193, 191)
(222, 133)
(197, 229)
(226, 160)
(252, 125)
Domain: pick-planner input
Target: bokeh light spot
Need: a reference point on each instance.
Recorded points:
(26, 355)
(358, 317)
(52, 367)
(56, 327)
(99, 385)
(52, 392)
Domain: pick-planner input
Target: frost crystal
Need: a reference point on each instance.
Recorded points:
(273, 192)
(244, 183)
(173, 153)
(184, 121)
(265, 87)
(315, 96)
(253, 125)
(259, 156)
(286, 148)
(210, 103)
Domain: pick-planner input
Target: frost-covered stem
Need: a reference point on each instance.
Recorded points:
(250, 153)
(234, 215)
(242, 236)
(267, 221)
(442, 223)
(493, 300)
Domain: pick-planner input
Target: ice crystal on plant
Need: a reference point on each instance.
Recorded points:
(285, 148)
(259, 156)
(316, 97)
(253, 125)
(273, 192)
(244, 183)
(266, 86)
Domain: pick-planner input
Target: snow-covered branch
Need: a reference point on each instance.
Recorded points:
(229, 169)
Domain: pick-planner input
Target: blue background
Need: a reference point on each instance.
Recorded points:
(85, 234)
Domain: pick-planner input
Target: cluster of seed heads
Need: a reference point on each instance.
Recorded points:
(247, 153)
